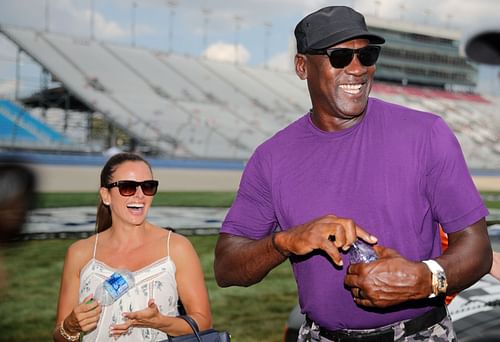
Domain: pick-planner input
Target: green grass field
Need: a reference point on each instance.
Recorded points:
(28, 302)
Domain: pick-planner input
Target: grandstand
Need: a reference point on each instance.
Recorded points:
(422, 55)
(177, 106)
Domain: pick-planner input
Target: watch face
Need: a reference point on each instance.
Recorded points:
(439, 283)
(442, 284)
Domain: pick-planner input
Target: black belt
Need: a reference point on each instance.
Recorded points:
(411, 327)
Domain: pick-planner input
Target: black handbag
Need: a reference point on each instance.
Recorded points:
(209, 335)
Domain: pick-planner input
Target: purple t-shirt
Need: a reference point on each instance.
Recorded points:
(397, 173)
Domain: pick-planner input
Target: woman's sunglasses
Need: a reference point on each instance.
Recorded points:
(129, 188)
(342, 57)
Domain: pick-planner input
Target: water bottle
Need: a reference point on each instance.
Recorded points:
(114, 287)
(361, 252)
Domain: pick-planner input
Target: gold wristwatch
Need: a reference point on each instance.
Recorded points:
(439, 282)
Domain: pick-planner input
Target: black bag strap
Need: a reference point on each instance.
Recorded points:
(193, 325)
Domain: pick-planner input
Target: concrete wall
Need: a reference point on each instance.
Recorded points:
(64, 178)
(80, 173)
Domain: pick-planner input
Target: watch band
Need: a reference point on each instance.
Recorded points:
(439, 282)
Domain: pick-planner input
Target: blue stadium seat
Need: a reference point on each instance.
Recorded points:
(16, 122)
(9, 131)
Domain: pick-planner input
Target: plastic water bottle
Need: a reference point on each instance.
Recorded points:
(114, 287)
(361, 252)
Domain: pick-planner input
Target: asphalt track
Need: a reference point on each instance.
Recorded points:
(80, 221)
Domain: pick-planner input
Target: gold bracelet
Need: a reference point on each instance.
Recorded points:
(67, 336)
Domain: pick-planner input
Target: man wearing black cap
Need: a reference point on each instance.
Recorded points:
(357, 167)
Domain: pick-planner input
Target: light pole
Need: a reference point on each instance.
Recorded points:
(237, 21)
(267, 26)
(132, 22)
(18, 73)
(172, 4)
(47, 12)
(92, 19)
(377, 7)
(448, 20)
(427, 13)
(206, 12)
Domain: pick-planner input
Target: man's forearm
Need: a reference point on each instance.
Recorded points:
(468, 256)
(243, 262)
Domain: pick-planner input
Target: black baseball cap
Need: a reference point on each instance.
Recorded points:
(330, 26)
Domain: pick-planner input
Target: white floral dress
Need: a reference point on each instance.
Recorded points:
(156, 281)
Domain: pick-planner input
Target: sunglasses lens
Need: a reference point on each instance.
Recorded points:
(368, 55)
(341, 58)
(127, 188)
(149, 187)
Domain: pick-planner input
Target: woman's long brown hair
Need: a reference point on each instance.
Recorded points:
(103, 217)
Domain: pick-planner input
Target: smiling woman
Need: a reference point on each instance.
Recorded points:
(162, 264)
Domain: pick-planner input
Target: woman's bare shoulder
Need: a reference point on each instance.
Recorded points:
(179, 239)
(181, 247)
(179, 244)
(81, 251)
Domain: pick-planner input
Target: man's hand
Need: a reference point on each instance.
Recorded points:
(388, 281)
(328, 233)
(242, 261)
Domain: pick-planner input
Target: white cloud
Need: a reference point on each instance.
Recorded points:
(225, 52)
(105, 29)
(69, 16)
(282, 61)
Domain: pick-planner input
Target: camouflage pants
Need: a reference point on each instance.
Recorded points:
(440, 332)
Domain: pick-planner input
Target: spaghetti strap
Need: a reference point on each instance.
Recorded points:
(95, 244)
(168, 243)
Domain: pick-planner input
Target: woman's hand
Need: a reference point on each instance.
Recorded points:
(83, 318)
(147, 318)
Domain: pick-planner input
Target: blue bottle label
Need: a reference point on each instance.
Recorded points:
(116, 285)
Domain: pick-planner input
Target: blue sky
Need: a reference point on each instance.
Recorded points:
(262, 29)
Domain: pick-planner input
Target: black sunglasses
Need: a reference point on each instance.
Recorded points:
(342, 57)
(129, 188)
